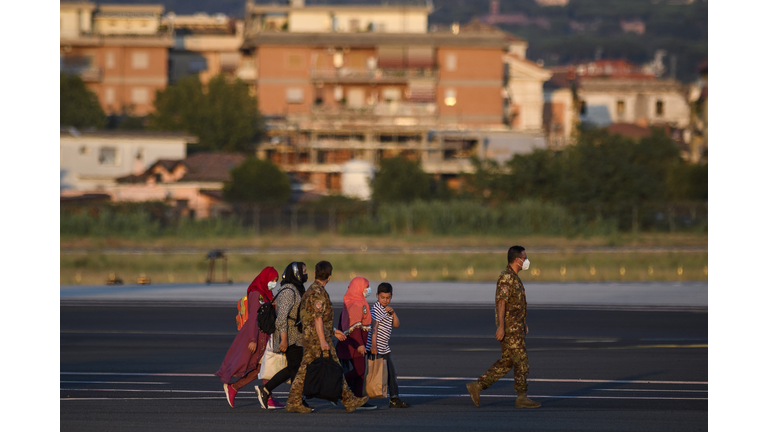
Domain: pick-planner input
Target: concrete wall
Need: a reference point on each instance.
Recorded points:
(323, 21)
(475, 75)
(639, 107)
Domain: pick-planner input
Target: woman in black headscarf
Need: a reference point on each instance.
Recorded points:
(287, 337)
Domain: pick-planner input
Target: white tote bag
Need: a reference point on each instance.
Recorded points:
(272, 362)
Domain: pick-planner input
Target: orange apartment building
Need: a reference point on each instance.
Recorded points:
(120, 51)
(361, 88)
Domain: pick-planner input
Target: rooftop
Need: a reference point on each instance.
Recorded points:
(497, 39)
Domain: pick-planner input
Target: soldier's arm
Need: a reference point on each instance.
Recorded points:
(321, 333)
(500, 309)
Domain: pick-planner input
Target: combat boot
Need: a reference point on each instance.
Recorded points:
(523, 402)
(301, 408)
(474, 392)
(355, 402)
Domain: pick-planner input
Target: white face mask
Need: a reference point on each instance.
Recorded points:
(367, 292)
(272, 285)
(526, 264)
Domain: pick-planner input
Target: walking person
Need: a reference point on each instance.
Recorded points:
(287, 338)
(243, 358)
(384, 319)
(355, 322)
(511, 328)
(317, 321)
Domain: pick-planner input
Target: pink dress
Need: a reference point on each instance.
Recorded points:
(239, 361)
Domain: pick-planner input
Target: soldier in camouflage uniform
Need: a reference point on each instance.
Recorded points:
(511, 311)
(317, 320)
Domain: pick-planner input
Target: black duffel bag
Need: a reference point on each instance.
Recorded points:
(324, 379)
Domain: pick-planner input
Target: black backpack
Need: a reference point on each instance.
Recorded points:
(268, 316)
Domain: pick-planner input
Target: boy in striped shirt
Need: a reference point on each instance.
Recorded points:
(384, 318)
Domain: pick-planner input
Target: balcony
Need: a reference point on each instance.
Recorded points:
(384, 76)
(392, 109)
(87, 74)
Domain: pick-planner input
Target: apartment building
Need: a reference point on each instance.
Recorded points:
(120, 51)
(349, 84)
(205, 46)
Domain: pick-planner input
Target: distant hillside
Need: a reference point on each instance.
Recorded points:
(582, 30)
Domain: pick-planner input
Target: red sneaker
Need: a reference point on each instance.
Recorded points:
(273, 404)
(230, 392)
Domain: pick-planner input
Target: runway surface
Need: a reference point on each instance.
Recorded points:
(150, 367)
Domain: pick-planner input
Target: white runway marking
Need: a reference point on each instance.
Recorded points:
(655, 390)
(173, 394)
(414, 378)
(111, 382)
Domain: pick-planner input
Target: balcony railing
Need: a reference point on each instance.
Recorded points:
(344, 74)
(87, 74)
(394, 109)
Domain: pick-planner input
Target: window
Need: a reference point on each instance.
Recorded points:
(108, 156)
(140, 60)
(450, 97)
(338, 59)
(197, 65)
(450, 62)
(620, 107)
(295, 61)
(294, 95)
(109, 95)
(139, 95)
(659, 108)
(110, 60)
(391, 94)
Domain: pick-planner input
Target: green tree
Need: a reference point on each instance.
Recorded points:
(257, 181)
(223, 115)
(400, 180)
(78, 106)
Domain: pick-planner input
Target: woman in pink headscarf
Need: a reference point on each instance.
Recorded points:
(355, 322)
(242, 361)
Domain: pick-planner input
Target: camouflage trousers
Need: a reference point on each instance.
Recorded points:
(513, 356)
(297, 386)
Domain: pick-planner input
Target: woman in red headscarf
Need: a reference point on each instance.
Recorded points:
(355, 322)
(242, 360)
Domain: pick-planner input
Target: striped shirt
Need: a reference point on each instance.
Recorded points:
(383, 330)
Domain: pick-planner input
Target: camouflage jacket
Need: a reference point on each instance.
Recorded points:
(316, 303)
(510, 288)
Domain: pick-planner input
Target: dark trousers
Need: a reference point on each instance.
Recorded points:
(394, 391)
(293, 357)
(354, 373)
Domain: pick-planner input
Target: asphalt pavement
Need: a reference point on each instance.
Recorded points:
(128, 367)
(603, 357)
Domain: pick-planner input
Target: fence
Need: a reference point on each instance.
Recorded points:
(359, 218)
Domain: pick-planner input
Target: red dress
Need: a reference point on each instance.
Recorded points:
(239, 361)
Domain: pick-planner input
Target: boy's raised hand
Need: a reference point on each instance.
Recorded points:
(389, 310)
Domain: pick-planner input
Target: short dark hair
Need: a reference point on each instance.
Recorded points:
(514, 253)
(323, 270)
(384, 287)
